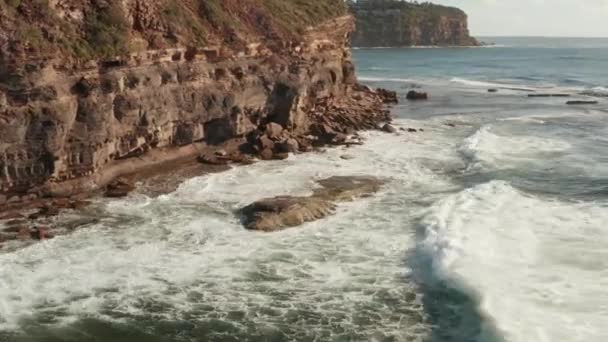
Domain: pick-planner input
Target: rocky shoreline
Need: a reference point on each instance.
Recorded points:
(73, 128)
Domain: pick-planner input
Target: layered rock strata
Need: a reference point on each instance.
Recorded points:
(69, 129)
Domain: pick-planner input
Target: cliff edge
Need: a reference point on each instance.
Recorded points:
(393, 23)
(92, 90)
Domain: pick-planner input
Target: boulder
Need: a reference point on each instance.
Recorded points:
(265, 142)
(412, 130)
(415, 95)
(388, 96)
(274, 130)
(273, 214)
(289, 146)
(281, 212)
(119, 188)
(389, 128)
(493, 90)
(266, 154)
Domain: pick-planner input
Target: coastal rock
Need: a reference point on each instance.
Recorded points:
(281, 212)
(385, 23)
(388, 96)
(274, 130)
(74, 121)
(414, 95)
(389, 129)
(119, 188)
(273, 214)
(493, 90)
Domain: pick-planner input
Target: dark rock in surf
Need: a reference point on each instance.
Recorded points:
(581, 102)
(493, 90)
(388, 96)
(389, 129)
(413, 95)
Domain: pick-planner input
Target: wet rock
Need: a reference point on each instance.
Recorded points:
(388, 96)
(493, 90)
(347, 188)
(266, 154)
(274, 214)
(281, 212)
(581, 102)
(119, 188)
(280, 156)
(415, 95)
(347, 157)
(412, 130)
(289, 146)
(389, 129)
(265, 142)
(449, 124)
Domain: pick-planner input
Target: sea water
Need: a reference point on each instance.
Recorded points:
(492, 225)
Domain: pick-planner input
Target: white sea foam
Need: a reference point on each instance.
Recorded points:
(185, 255)
(540, 267)
(483, 84)
(486, 148)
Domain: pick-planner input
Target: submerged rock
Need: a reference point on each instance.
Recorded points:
(277, 213)
(581, 102)
(415, 95)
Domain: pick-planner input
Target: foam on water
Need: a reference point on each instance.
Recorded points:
(490, 150)
(539, 266)
(185, 257)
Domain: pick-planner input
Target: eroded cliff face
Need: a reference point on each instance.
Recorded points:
(393, 23)
(68, 127)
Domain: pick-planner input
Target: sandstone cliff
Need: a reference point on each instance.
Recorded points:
(90, 90)
(385, 23)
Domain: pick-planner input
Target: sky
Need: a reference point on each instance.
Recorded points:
(562, 18)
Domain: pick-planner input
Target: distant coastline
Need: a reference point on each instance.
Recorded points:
(405, 24)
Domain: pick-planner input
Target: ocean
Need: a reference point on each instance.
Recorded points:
(491, 227)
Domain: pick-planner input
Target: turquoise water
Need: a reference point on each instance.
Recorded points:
(491, 226)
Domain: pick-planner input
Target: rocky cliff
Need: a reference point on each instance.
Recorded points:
(384, 23)
(91, 90)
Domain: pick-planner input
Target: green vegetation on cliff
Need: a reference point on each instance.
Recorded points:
(84, 30)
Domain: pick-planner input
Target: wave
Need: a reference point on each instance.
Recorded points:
(487, 149)
(536, 265)
(387, 79)
(484, 84)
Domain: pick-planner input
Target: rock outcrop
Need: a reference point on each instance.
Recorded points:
(394, 23)
(94, 90)
(273, 214)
